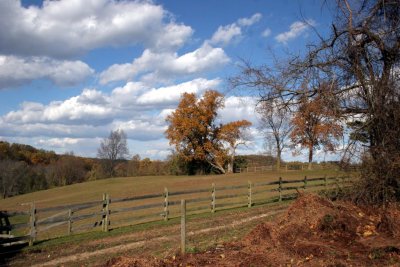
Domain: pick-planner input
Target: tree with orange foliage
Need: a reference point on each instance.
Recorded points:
(194, 133)
(315, 125)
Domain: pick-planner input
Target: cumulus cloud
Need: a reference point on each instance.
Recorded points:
(225, 34)
(239, 108)
(136, 108)
(15, 71)
(69, 28)
(296, 29)
(156, 66)
(79, 109)
(171, 94)
(163, 66)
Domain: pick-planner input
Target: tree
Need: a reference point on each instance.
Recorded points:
(112, 149)
(362, 57)
(234, 134)
(314, 126)
(11, 175)
(193, 131)
(275, 122)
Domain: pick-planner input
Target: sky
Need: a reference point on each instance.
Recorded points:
(73, 70)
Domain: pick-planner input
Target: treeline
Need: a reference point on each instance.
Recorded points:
(25, 169)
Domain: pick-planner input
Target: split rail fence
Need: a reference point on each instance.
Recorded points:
(49, 222)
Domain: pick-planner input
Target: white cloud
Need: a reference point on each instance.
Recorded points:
(239, 108)
(266, 32)
(82, 109)
(68, 28)
(171, 94)
(59, 142)
(296, 29)
(15, 71)
(136, 108)
(225, 34)
(166, 66)
(250, 21)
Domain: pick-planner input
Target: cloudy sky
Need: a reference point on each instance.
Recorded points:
(73, 70)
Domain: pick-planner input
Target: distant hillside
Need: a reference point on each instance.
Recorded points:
(25, 169)
(26, 153)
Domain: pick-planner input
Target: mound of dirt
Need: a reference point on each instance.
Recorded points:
(313, 232)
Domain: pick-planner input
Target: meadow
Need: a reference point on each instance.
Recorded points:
(132, 186)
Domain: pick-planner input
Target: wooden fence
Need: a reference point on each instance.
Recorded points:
(45, 223)
(297, 167)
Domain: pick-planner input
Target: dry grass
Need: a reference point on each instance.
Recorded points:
(131, 186)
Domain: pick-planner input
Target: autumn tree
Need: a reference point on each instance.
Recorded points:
(112, 149)
(195, 134)
(315, 126)
(362, 56)
(275, 123)
(234, 134)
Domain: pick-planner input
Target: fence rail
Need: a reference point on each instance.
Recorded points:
(67, 219)
(296, 167)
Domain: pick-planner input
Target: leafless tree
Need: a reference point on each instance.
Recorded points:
(112, 149)
(275, 123)
(362, 57)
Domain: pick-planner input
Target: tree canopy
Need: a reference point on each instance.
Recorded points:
(113, 148)
(362, 58)
(196, 135)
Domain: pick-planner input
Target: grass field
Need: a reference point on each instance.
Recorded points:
(132, 186)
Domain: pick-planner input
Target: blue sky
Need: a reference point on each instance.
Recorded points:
(72, 70)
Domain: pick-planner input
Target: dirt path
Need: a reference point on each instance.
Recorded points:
(137, 244)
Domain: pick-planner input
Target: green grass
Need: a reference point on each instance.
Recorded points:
(130, 186)
(133, 186)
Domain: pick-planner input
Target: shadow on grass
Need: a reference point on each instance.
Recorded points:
(7, 253)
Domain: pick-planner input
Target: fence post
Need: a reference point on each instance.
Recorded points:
(69, 231)
(280, 189)
(305, 182)
(166, 211)
(107, 217)
(286, 167)
(213, 198)
(249, 195)
(103, 217)
(32, 233)
(183, 226)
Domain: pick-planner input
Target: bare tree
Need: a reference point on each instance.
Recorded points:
(362, 57)
(275, 123)
(112, 149)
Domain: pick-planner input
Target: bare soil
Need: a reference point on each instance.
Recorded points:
(312, 232)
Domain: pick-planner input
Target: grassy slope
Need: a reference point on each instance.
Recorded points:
(129, 186)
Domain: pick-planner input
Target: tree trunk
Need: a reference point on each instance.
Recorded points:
(278, 159)
(230, 164)
(310, 157)
(218, 167)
